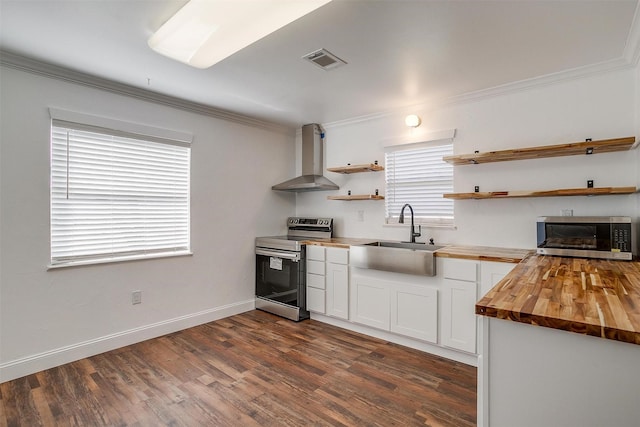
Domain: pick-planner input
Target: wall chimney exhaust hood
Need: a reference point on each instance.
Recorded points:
(312, 164)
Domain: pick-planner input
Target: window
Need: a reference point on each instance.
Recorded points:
(116, 195)
(416, 174)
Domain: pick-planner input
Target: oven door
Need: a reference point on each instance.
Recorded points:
(280, 277)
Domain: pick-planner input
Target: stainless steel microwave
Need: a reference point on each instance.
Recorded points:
(609, 237)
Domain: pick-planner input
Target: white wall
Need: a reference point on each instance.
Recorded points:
(52, 317)
(637, 83)
(599, 107)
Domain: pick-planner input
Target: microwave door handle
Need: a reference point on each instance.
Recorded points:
(293, 256)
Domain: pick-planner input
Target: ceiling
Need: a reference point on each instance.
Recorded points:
(399, 53)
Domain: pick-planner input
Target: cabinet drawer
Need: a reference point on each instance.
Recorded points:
(315, 300)
(315, 252)
(315, 281)
(338, 255)
(460, 269)
(315, 267)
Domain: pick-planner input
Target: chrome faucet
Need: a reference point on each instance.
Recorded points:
(412, 231)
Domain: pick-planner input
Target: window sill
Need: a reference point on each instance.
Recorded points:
(423, 224)
(84, 263)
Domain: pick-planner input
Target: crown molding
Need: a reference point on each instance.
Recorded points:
(522, 85)
(33, 66)
(630, 58)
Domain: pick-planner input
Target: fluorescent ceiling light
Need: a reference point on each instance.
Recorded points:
(204, 32)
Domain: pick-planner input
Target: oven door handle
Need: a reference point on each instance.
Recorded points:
(293, 256)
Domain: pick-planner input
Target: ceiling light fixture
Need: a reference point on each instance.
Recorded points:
(205, 32)
(412, 121)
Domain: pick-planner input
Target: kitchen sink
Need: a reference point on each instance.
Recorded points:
(397, 257)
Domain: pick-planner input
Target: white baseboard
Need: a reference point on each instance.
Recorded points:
(49, 359)
(458, 356)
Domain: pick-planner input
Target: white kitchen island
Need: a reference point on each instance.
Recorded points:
(535, 376)
(560, 345)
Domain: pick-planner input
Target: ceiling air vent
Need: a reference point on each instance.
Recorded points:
(324, 59)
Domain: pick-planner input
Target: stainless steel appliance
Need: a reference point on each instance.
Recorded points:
(609, 237)
(312, 164)
(281, 267)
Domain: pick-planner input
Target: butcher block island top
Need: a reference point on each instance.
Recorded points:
(592, 297)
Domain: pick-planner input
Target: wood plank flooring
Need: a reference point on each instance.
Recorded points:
(253, 369)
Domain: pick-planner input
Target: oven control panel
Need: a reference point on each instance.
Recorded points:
(293, 222)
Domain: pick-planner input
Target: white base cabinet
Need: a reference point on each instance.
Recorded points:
(409, 309)
(337, 282)
(437, 313)
(491, 273)
(464, 283)
(459, 295)
(458, 314)
(370, 302)
(328, 281)
(316, 301)
(414, 311)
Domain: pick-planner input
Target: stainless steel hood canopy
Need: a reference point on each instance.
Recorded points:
(312, 164)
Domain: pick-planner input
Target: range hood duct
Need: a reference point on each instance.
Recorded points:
(312, 164)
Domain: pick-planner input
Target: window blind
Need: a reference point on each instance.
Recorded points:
(416, 174)
(116, 196)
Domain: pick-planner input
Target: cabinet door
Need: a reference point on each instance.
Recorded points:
(337, 282)
(458, 314)
(414, 311)
(491, 273)
(369, 302)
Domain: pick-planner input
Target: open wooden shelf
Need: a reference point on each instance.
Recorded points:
(356, 168)
(600, 191)
(357, 197)
(572, 149)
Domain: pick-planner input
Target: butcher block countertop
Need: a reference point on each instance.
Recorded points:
(592, 297)
(479, 253)
(339, 242)
(484, 253)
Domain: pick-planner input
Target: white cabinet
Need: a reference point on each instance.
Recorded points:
(337, 282)
(370, 302)
(316, 279)
(328, 281)
(491, 273)
(408, 308)
(414, 311)
(459, 294)
(464, 283)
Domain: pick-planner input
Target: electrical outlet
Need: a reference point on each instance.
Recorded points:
(567, 212)
(136, 297)
(360, 216)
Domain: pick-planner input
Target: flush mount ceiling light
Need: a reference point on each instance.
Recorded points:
(412, 121)
(204, 32)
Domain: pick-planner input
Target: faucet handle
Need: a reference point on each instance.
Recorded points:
(419, 233)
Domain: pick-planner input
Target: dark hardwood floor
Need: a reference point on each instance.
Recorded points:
(253, 369)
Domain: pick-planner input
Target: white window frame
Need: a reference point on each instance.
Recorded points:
(149, 194)
(428, 211)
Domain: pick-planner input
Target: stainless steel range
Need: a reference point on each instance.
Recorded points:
(281, 267)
